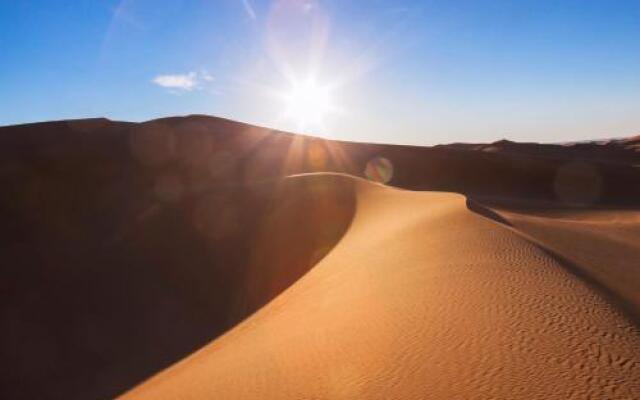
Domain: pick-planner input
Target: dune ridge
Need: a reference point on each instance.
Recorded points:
(421, 298)
(106, 311)
(128, 246)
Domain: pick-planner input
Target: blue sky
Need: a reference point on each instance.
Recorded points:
(418, 72)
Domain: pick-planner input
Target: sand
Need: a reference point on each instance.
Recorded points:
(195, 257)
(602, 246)
(423, 298)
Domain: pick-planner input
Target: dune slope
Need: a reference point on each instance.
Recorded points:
(90, 314)
(421, 299)
(602, 245)
(128, 246)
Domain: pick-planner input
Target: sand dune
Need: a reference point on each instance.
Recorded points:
(106, 313)
(423, 299)
(196, 257)
(602, 245)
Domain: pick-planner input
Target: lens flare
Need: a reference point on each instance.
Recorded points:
(379, 169)
(308, 103)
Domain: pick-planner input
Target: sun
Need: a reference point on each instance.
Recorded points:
(308, 104)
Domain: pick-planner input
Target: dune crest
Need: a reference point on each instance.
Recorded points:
(421, 298)
(128, 246)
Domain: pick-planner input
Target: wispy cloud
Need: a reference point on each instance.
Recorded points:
(249, 9)
(178, 81)
(183, 82)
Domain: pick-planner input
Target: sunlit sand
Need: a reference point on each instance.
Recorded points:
(422, 298)
(201, 258)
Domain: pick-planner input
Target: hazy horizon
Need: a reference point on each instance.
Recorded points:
(408, 72)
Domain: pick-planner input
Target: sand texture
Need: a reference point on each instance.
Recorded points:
(201, 258)
(422, 299)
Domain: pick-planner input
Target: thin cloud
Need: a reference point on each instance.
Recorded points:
(178, 81)
(249, 9)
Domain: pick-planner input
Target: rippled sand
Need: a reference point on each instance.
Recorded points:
(431, 296)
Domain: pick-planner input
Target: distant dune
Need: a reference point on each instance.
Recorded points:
(197, 257)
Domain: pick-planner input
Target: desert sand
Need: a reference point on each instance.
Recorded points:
(199, 258)
(422, 299)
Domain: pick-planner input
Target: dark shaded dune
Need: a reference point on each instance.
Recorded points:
(203, 150)
(126, 246)
(486, 212)
(619, 151)
(88, 314)
(477, 173)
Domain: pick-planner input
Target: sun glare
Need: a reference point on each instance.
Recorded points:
(308, 104)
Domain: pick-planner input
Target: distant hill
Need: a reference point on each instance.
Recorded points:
(616, 151)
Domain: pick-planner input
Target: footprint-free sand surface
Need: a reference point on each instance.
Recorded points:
(423, 298)
(202, 258)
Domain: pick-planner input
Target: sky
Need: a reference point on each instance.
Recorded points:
(408, 72)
